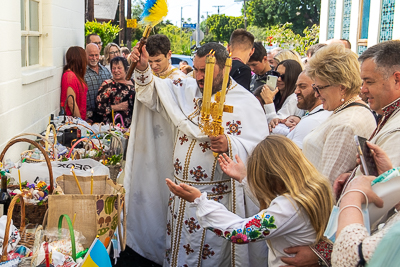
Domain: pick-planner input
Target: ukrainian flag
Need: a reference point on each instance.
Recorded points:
(97, 255)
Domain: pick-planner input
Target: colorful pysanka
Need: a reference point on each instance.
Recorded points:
(154, 11)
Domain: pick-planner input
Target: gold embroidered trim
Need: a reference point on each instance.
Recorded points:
(165, 75)
(213, 168)
(152, 78)
(197, 111)
(231, 88)
(142, 72)
(187, 160)
(182, 206)
(201, 183)
(201, 247)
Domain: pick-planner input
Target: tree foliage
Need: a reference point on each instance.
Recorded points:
(220, 27)
(106, 31)
(180, 44)
(301, 13)
(283, 36)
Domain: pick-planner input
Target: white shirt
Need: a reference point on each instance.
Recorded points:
(283, 223)
(307, 124)
(288, 108)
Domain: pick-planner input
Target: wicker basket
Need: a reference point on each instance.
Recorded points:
(35, 213)
(27, 239)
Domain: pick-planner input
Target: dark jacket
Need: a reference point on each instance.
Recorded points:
(241, 73)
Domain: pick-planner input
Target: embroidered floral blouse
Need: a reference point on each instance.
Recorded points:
(113, 93)
(283, 223)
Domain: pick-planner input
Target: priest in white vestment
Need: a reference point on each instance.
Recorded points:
(162, 227)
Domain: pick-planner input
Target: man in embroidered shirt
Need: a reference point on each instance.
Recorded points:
(380, 72)
(159, 48)
(162, 227)
(241, 48)
(95, 75)
(258, 64)
(315, 115)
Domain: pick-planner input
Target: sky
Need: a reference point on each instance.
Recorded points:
(231, 8)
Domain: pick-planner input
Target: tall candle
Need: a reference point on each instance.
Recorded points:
(208, 81)
(91, 182)
(19, 177)
(228, 65)
(76, 180)
(112, 115)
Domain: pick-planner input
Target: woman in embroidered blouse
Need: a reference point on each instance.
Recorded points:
(295, 199)
(116, 94)
(282, 102)
(73, 86)
(331, 147)
(352, 235)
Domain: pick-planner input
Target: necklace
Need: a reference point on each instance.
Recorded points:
(345, 104)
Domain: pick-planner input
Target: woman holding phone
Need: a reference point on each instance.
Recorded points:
(281, 102)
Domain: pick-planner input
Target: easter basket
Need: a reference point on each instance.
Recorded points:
(34, 214)
(97, 213)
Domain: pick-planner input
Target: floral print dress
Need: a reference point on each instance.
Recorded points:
(113, 93)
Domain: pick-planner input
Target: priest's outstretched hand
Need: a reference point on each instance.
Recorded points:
(187, 192)
(219, 144)
(234, 170)
(141, 59)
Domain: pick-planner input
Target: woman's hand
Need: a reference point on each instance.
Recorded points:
(234, 170)
(267, 95)
(362, 183)
(381, 159)
(123, 106)
(187, 192)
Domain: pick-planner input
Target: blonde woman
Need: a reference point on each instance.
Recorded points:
(331, 147)
(285, 55)
(295, 199)
(111, 51)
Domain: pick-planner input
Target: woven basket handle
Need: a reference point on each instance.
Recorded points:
(71, 232)
(19, 140)
(8, 224)
(44, 138)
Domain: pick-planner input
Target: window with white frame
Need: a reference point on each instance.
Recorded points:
(30, 32)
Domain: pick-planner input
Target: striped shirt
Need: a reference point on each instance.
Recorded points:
(94, 81)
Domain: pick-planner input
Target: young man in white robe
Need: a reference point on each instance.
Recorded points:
(160, 226)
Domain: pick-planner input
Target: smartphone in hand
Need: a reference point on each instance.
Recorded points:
(271, 82)
(367, 160)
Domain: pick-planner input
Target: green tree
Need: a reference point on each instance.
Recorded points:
(179, 45)
(221, 27)
(106, 31)
(283, 36)
(301, 13)
(258, 32)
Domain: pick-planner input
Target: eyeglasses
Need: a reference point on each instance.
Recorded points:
(97, 43)
(114, 53)
(281, 75)
(318, 88)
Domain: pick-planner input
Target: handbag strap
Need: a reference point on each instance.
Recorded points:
(71, 232)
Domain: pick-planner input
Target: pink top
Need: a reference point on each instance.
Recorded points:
(69, 79)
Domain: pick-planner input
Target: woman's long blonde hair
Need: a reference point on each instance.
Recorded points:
(278, 167)
(107, 52)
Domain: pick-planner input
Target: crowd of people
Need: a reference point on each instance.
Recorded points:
(286, 157)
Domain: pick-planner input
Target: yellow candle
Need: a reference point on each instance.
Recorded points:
(208, 81)
(19, 177)
(91, 183)
(112, 114)
(76, 180)
(228, 65)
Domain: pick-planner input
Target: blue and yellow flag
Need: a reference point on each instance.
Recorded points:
(97, 256)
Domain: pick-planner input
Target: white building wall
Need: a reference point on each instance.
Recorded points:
(339, 19)
(396, 21)
(374, 22)
(323, 22)
(354, 19)
(29, 95)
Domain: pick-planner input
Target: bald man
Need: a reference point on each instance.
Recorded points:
(94, 77)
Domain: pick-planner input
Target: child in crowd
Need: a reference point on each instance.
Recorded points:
(294, 198)
(286, 125)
